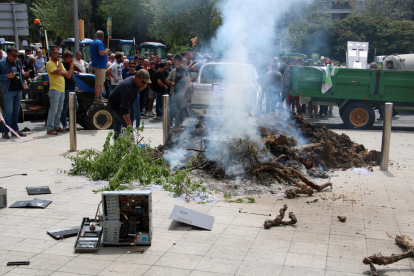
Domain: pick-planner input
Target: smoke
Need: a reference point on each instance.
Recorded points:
(248, 29)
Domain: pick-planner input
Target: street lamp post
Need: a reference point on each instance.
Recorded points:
(75, 23)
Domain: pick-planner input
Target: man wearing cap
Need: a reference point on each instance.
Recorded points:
(123, 97)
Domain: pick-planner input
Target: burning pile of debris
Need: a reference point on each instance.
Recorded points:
(285, 149)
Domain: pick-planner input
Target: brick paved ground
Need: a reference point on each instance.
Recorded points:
(377, 205)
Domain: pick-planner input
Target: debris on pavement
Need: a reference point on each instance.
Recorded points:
(342, 218)
(191, 217)
(18, 263)
(3, 197)
(34, 203)
(279, 219)
(379, 259)
(312, 201)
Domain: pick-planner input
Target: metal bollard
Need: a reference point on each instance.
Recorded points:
(386, 136)
(72, 121)
(166, 119)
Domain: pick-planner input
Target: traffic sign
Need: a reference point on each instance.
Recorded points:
(10, 13)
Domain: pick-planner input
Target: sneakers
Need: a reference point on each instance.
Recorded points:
(99, 100)
(21, 134)
(5, 135)
(51, 132)
(66, 128)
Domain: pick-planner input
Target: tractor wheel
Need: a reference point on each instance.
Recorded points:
(99, 117)
(359, 115)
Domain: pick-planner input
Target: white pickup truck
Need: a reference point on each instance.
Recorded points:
(224, 85)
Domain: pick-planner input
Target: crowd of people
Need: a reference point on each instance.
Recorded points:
(277, 81)
(132, 86)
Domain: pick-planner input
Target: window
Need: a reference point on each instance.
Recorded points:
(154, 51)
(360, 5)
(226, 74)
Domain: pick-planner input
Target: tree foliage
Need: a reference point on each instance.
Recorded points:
(393, 9)
(178, 21)
(306, 30)
(57, 17)
(130, 18)
(385, 36)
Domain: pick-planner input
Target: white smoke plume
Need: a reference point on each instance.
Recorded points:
(248, 29)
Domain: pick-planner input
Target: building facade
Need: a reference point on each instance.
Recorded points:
(342, 8)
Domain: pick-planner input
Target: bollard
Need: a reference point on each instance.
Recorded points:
(72, 121)
(166, 119)
(386, 136)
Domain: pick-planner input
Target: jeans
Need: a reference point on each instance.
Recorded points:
(55, 110)
(181, 109)
(119, 122)
(107, 84)
(11, 110)
(112, 89)
(65, 108)
(172, 109)
(323, 109)
(272, 98)
(158, 106)
(135, 113)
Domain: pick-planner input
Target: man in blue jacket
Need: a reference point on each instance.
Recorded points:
(11, 78)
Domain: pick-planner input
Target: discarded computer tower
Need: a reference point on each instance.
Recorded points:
(127, 217)
(3, 197)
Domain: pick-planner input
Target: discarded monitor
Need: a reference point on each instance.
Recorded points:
(34, 203)
(191, 217)
(41, 190)
(3, 197)
(127, 217)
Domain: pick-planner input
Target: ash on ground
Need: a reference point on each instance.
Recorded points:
(267, 154)
(246, 186)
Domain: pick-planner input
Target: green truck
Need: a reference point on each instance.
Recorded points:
(357, 92)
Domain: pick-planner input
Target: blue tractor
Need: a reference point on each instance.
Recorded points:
(88, 115)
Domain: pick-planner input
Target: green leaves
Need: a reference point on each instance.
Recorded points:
(120, 163)
(124, 162)
(177, 21)
(385, 36)
(57, 17)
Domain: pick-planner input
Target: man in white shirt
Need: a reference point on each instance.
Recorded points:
(115, 71)
(40, 60)
(80, 63)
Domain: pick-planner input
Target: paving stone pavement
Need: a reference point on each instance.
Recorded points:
(378, 206)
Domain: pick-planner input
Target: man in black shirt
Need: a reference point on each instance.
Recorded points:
(68, 63)
(123, 97)
(11, 79)
(160, 87)
(282, 69)
(157, 62)
(182, 82)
